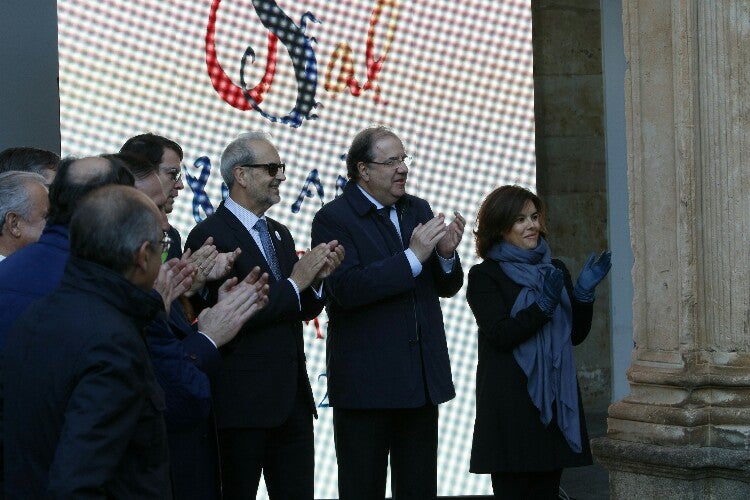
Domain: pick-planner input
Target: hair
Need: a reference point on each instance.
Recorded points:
(68, 188)
(498, 214)
(151, 146)
(110, 224)
(139, 165)
(14, 194)
(28, 160)
(239, 151)
(361, 148)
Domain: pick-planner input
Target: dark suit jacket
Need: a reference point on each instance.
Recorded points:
(508, 434)
(263, 365)
(379, 315)
(180, 366)
(83, 412)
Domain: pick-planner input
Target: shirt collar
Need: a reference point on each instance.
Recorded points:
(245, 216)
(375, 202)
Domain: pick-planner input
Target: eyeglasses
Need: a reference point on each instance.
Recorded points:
(166, 243)
(175, 175)
(272, 168)
(395, 162)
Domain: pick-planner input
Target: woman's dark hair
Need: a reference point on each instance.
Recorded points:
(498, 214)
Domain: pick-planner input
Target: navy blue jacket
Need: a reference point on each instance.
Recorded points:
(31, 273)
(380, 316)
(83, 412)
(181, 366)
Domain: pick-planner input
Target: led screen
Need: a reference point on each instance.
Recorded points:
(453, 79)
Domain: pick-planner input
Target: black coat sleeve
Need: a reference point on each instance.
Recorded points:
(491, 299)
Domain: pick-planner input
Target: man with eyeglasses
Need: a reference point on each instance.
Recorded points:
(36, 270)
(184, 356)
(167, 154)
(83, 411)
(388, 365)
(262, 396)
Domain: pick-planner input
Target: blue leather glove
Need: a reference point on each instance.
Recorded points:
(592, 274)
(551, 290)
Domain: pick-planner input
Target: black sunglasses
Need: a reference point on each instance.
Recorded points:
(272, 168)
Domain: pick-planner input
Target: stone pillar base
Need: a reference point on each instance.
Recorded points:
(638, 470)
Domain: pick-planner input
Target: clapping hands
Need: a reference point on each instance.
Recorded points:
(209, 264)
(593, 272)
(551, 291)
(238, 302)
(175, 278)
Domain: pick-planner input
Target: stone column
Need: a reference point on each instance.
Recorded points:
(684, 429)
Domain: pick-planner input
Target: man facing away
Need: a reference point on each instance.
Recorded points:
(26, 159)
(82, 408)
(386, 351)
(262, 396)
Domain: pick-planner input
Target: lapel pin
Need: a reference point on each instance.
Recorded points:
(278, 236)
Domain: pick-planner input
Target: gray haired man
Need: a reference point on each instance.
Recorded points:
(23, 210)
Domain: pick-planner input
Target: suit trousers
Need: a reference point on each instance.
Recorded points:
(364, 439)
(285, 454)
(544, 485)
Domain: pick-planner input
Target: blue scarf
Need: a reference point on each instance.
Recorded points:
(547, 357)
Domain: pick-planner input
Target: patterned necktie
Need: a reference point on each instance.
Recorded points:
(265, 238)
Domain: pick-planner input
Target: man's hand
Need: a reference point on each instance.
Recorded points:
(453, 234)
(309, 265)
(237, 303)
(209, 264)
(333, 260)
(174, 279)
(426, 236)
(223, 264)
(202, 260)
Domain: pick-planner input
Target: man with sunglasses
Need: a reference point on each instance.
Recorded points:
(388, 366)
(262, 396)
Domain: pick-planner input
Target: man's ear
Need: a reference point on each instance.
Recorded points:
(12, 224)
(142, 257)
(364, 174)
(239, 176)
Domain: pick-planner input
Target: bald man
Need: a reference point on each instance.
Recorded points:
(34, 271)
(83, 408)
(186, 354)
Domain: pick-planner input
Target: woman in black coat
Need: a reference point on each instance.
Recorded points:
(529, 420)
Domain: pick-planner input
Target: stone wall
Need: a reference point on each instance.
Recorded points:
(683, 431)
(571, 176)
